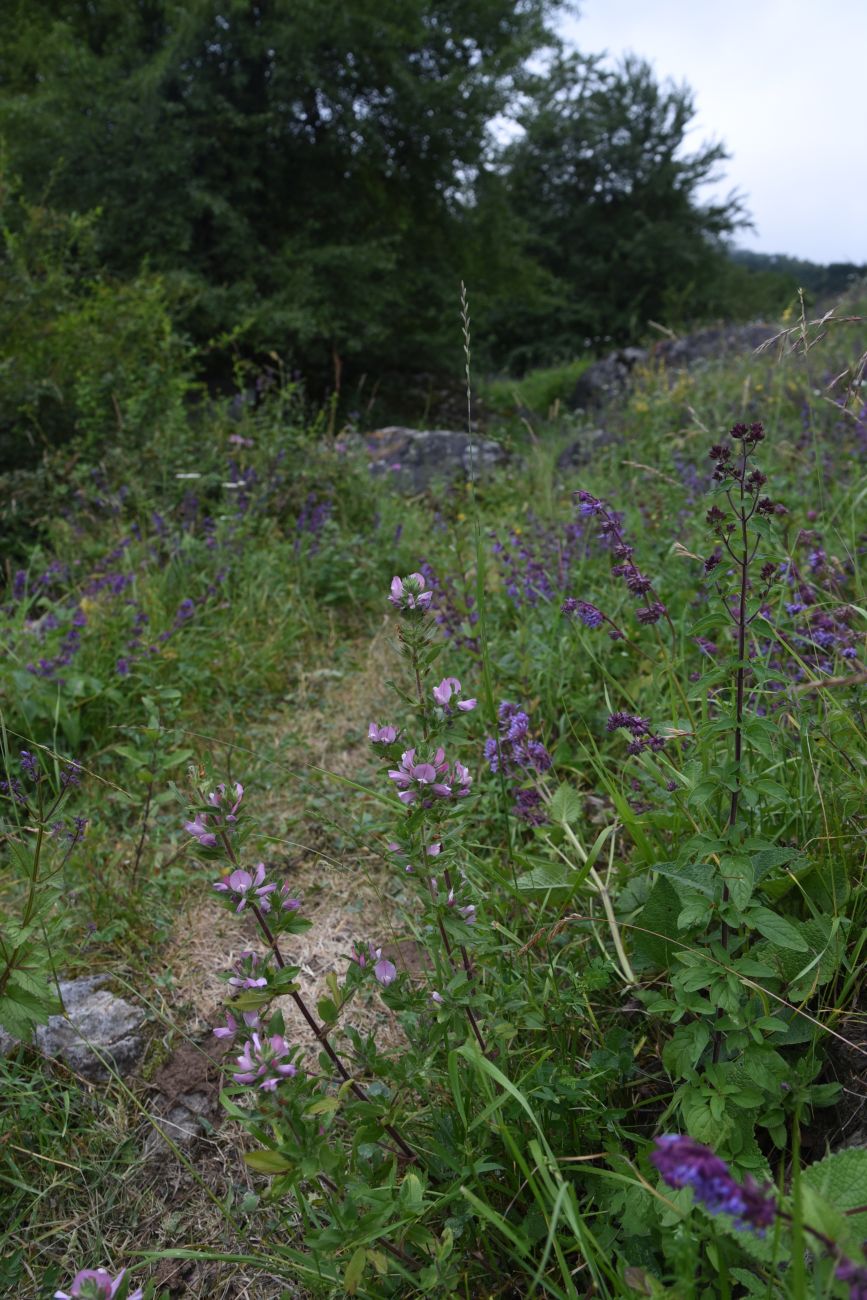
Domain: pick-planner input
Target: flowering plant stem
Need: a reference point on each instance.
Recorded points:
(310, 1019)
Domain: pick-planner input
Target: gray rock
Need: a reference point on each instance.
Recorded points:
(579, 452)
(416, 458)
(96, 1024)
(607, 378)
(179, 1121)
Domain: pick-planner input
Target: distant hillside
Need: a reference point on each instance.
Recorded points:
(819, 281)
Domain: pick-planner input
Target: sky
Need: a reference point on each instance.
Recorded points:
(781, 84)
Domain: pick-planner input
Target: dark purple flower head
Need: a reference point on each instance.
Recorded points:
(30, 765)
(589, 615)
(683, 1162)
(855, 1275)
(651, 613)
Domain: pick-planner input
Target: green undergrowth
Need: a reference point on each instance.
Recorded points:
(663, 918)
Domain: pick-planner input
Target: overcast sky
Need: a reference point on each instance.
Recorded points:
(781, 83)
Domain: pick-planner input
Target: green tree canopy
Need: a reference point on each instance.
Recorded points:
(301, 167)
(609, 197)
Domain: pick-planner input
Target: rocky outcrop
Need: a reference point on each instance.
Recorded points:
(414, 459)
(609, 377)
(99, 1032)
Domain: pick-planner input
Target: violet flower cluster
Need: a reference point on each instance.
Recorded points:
(609, 531)
(208, 826)
(430, 777)
(683, 1162)
(516, 753)
(535, 562)
(265, 1062)
(643, 737)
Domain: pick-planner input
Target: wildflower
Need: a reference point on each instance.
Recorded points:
(288, 903)
(589, 615)
(461, 781)
(247, 887)
(409, 594)
(265, 1062)
(13, 789)
(96, 1284)
(229, 1030)
(412, 777)
(683, 1162)
(381, 735)
(443, 693)
(199, 828)
(384, 970)
(122, 667)
(651, 613)
(70, 775)
(856, 1277)
(437, 997)
(30, 765)
(246, 968)
(216, 797)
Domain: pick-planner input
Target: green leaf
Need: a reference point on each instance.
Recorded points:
(566, 805)
(775, 928)
(736, 870)
(841, 1180)
(267, 1162)
(327, 1011)
(553, 875)
(354, 1271)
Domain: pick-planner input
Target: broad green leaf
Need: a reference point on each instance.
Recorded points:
(267, 1162)
(775, 928)
(354, 1271)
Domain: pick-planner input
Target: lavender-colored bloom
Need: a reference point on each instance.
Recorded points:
(70, 775)
(13, 789)
(589, 615)
(384, 970)
(288, 903)
(413, 778)
(381, 735)
(437, 998)
(231, 1027)
(265, 1062)
(683, 1162)
(30, 765)
(245, 887)
(448, 687)
(122, 667)
(199, 828)
(19, 584)
(855, 1276)
(409, 594)
(529, 806)
(246, 968)
(96, 1284)
(216, 797)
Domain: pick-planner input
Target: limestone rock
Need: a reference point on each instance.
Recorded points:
(96, 1024)
(415, 458)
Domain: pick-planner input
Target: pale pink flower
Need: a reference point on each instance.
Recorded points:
(265, 1062)
(102, 1285)
(247, 887)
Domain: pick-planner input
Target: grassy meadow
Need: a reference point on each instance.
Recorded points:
(595, 876)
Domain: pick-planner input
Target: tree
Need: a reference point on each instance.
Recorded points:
(609, 197)
(301, 168)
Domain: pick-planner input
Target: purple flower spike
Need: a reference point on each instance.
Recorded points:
(683, 1162)
(265, 1062)
(29, 765)
(247, 887)
(96, 1284)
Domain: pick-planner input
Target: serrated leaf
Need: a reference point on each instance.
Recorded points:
(566, 805)
(553, 875)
